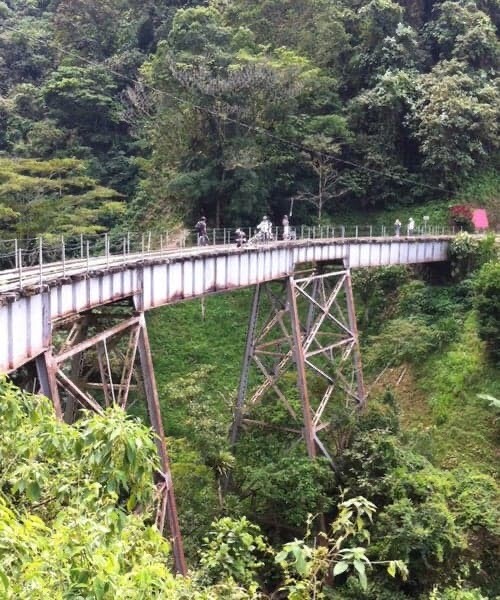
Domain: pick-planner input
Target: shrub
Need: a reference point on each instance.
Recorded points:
(487, 304)
(401, 340)
(461, 217)
(231, 552)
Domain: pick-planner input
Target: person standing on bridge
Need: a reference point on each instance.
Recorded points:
(201, 230)
(286, 228)
(265, 227)
(411, 226)
(397, 227)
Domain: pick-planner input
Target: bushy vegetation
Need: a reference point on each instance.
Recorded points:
(67, 497)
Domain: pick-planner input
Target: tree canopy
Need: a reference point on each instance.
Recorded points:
(234, 108)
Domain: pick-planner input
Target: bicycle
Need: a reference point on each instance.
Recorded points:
(203, 240)
(261, 236)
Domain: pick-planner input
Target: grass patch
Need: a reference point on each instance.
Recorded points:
(464, 432)
(198, 356)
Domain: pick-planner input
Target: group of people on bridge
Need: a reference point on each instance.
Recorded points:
(410, 227)
(264, 232)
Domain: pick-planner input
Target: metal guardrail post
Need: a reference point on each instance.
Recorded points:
(63, 254)
(106, 248)
(128, 242)
(16, 254)
(142, 244)
(371, 231)
(356, 231)
(149, 241)
(20, 266)
(40, 260)
(124, 247)
(343, 231)
(88, 255)
(81, 245)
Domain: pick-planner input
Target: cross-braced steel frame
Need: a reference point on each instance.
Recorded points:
(96, 360)
(310, 328)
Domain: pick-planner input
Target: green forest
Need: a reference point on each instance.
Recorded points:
(119, 115)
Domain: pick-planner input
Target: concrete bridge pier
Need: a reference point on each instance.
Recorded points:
(310, 330)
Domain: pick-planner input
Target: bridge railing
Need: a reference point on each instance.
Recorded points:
(80, 251)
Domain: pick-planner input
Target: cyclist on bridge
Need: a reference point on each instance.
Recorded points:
(265, 228)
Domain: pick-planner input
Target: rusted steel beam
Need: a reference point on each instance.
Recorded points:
(76, 392)
(329, 347)
(153, 403)
(76, 365)
(358, 365)
(128, 367)
(279, 370)
(103, 372)
(46, 371)
(245, 367)
(271, 382)
(301, 371)
(85, 345)
(94, 385)
(321, 408)
(108, 369)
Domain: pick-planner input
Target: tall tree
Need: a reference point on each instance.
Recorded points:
(217, 89)
(54, 196)
(456, 121)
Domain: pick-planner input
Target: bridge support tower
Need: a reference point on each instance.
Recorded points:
(102, 358)
(304, 324)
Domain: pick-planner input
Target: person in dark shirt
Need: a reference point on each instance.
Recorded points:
(201, 230)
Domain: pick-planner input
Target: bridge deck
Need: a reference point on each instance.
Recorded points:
(31, 299)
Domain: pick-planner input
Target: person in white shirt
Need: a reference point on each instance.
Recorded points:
(411, 226)
(265, 227)
(286, 228)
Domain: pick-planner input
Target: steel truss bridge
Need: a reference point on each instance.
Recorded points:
(75, 329)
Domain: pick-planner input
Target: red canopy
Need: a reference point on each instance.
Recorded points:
(480, 218)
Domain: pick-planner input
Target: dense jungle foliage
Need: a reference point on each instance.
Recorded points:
(147, 113)
(122, 114)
